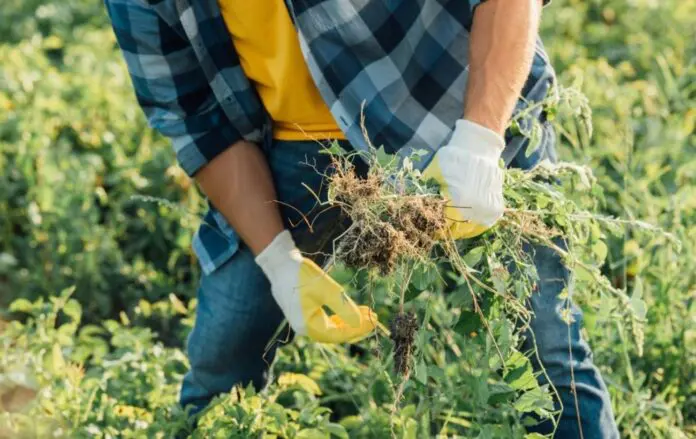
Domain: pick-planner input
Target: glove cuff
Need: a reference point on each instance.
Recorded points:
(477, 140)
(278, 253)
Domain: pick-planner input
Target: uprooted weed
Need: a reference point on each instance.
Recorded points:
(397, 220)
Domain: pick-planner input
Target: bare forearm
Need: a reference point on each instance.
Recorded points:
(500, 56)
(239, 184)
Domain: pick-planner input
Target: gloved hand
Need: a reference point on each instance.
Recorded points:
(301, 289)
(470, 179)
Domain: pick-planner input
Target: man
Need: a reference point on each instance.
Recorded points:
(242, 87)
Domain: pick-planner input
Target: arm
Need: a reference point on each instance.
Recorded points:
(500, 56)
(175, 95)
(239, 184)
(174, 92)
(501, 49)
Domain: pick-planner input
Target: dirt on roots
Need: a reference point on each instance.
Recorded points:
(403, 333)
(387, 226)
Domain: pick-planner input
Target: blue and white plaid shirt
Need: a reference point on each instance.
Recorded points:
(405, 59)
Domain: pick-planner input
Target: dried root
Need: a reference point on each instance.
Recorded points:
(403, 334)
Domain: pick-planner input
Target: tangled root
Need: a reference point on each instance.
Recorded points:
(376, 246)
(388, 226)
(420, 218)
(403, 333)
(351, 190)
(530, 224)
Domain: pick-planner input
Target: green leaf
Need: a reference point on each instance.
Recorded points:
(298, 380)
(337, 430)
(418, 154)
(177, 304)
(521, 378)
(422, 279)
(73, 309)
(383, 158)
(640, 308)
(21, 305)
(412, 292)
(67, 292)
(333, 149)
(57, 359)
(480, 389)
(352, 422)
(500, 393)
(436, 372)
(583, 274)
(408, 411)
(520, 374)
(527, 402)
(534, 138)
(461, 297)
(312, 433)
(542, 202)
(533, 400)
(411, 429)
(595, 232)
(637, 288)
(504, 341)
(600, 251)
(473, 257)
(486, 432)
(144, 308)
(421, 372)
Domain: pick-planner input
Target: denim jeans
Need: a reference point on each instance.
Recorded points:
(237, 315)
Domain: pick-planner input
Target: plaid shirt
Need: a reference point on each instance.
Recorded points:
(405, 59)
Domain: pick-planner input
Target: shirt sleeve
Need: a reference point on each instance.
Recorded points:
(170, 85)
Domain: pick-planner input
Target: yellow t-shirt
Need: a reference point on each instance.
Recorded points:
(270, 55)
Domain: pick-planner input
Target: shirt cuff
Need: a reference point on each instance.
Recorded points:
(193, 152)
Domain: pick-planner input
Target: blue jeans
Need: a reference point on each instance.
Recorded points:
(237, 315)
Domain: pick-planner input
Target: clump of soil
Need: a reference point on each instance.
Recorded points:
(388, 224)
(403, 333)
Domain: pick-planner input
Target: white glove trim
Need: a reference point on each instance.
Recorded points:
(477, 140)
(280, 262)
(278, 253)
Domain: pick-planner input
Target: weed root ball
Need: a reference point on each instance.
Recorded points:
(388, 225)
(375, 247)
(403, 333)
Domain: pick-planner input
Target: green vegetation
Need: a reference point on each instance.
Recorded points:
(97, 285)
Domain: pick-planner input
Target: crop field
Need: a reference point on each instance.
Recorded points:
(98, 279)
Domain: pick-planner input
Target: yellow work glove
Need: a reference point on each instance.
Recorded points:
(302, 289)
(470, 178)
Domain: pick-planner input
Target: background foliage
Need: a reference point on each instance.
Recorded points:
(74, 149)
